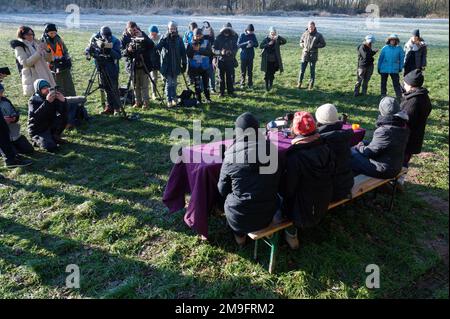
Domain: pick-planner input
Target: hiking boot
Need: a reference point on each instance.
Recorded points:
(292, 239)
(240, 240)
(17, 162)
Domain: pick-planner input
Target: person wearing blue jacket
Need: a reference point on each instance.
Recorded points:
(390, 64)
(247, 43)
(199, 53)
(105, 49)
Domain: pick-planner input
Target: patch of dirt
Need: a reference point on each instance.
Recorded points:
(435, 202)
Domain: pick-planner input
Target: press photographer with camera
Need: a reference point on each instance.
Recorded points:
(173, 61)
(199, 53)
(47, 116)
(137, 48)
(62, 63)
(105, 49)
(225, 47)
(31, 59)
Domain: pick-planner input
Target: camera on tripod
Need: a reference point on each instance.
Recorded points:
(97, 49)
(137, 44)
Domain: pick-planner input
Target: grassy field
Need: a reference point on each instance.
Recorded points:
(97, 204)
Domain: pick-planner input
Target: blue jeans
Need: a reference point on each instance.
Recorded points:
(171, 88)
(304, 65)
(361, 165)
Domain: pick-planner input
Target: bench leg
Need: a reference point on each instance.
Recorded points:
(274, 251)
(255, 253)
(394, 192)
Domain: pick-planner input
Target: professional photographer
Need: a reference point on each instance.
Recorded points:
(199, 53)
(225, 47)
(62, 63)
(105, 49)
(173, 61)
(137, 48)
(47, 116)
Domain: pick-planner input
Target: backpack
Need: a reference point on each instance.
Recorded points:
(187, 99)
(77, 113)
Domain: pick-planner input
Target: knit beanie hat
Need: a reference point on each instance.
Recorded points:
(246, 121)
(416, 33)
(250, 28)
(327, 114)
(389, 106)
(40, 84)
(153, 29)
(415, 78)
(50, 28)
(304, 124)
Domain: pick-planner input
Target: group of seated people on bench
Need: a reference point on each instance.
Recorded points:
(320, 167)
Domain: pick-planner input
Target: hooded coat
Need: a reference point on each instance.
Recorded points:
(251, 197)
(311, 42)
(33, 65)
(386, 151)
(229, 43)
(265, 46)
(309, 182)
(339, 141)
(418, 106)
(415, 55)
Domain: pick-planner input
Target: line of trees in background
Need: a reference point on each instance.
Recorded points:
(406, 8)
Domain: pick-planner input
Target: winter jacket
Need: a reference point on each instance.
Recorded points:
(339, 141)
(387, 149)
(415, 56)
(418, 106)
(309, 182)
(188, 37)
(247, 43)
(146, 52)
(42, 114)
(226, 43)
(391, 60)
(251, 197)
(365, 56)
(155, 56)
(111, 58)
(59, 51)
(33, 65)
(8, 110)
(311, 43)
(265, 45)
(200, 59)
(173, 55)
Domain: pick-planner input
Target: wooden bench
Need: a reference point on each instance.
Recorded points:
(363, 185)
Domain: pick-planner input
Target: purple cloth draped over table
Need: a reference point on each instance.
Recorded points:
(200, 180)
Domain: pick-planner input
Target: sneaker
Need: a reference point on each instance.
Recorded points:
(17, 162)
(174, 103)
(169, 104)
(292, 239)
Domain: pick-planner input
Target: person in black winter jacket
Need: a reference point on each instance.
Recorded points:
(138, 61)
(309, 178)
(247, 43)
(271, 60)
(416, 52)
(365, 65)
(339, 141)
(225, 47)
(251, 194)
(47, 117)
(383, 157)
(416, 103)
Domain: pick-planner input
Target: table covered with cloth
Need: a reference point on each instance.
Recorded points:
(199, 178)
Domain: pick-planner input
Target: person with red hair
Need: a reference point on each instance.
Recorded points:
(309, 178)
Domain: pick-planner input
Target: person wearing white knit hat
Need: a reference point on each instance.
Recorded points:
(339, 140)
(327, 114)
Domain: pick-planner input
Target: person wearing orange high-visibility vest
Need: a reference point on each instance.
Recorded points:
(62, 63)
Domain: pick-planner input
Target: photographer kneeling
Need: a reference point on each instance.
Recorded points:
(137, 48)
(105, 49)
(199, 53)
(47, 116)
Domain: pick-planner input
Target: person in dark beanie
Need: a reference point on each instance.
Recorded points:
(247, 43)
(271, 61)
(365, 65)
(383, 157)
(309, 183)
(225, 48)
(339, 141)
(390, 64)
(416, 51)
(199, 53)
(47, 117)
(251, 198)
(11, 116)
(416, 103)
(62, 62)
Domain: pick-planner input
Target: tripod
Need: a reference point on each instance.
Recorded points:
(132, 78)
(97, 74)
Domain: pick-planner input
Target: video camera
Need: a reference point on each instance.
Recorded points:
(97, 48)
(137, 44)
